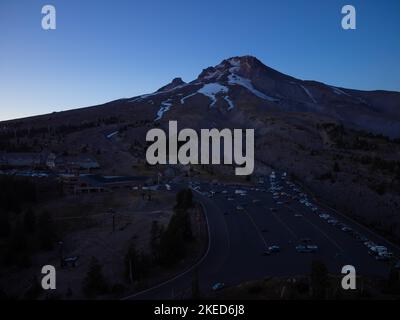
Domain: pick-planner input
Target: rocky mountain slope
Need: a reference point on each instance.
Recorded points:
(328, 138)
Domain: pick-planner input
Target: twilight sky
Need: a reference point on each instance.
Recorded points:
(105, 50)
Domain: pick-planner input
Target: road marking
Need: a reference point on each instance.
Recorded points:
(319, 229)
(325, 235)
(255, 226)
(283, 223)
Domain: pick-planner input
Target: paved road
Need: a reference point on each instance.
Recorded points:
(242, 227)
(207, 268)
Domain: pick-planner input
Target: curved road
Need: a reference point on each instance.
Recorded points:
(241, 227)
(207, 268)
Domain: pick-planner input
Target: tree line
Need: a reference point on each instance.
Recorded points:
(22, 230)
(167, 245)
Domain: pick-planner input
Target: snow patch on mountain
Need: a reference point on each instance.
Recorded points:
(340, 92)
(234, 79)
(187, 97)
(165, 106)
(112, 134)
(308, 93)
(234, 62)
(144, 96)
(230, 102)
(216, 74)
(211, 90)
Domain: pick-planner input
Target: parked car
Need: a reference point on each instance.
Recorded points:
(346, 229)
(312, 247)
(274, 249)
(380, 252)
(302, 248)
(267, 252)
(332, 222)
(309, 248)
(218, 286)
(369, 244)
(384, 256)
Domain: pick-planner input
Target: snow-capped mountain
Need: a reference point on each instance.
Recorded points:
(241, 83)
(301, 127)
(241, 91)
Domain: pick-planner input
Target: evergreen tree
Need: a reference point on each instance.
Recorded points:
(184, 199)
(94, 282)
(18, 252)
(137, 264)
(172, 244)
(393, 282)
(336, 167)
(155, 236)
(319, 279)
(5, 227)
(29, 221)
(195, 286)
(46, 232)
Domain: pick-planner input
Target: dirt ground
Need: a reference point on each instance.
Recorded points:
(85, 227)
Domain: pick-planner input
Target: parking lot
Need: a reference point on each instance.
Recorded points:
(276, 229)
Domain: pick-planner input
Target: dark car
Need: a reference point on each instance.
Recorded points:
(274, 249)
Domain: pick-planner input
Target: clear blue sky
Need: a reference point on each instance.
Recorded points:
(104, 50)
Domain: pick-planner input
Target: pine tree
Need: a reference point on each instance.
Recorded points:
(319, 279)
(5, 226)
(18, 252)
(137, 265)
(195, 286)
(155, 236)
(94, 282)
(29, 221)
(46, 232)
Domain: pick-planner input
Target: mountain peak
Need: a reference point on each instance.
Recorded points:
(247, 59)
(173, 84)
(246, 65)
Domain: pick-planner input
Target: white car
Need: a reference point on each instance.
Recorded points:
(369, 244)
(346, 229)
(274, 249)
(306, 248)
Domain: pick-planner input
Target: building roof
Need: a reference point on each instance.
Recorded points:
(107, 180)
(79, 161)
